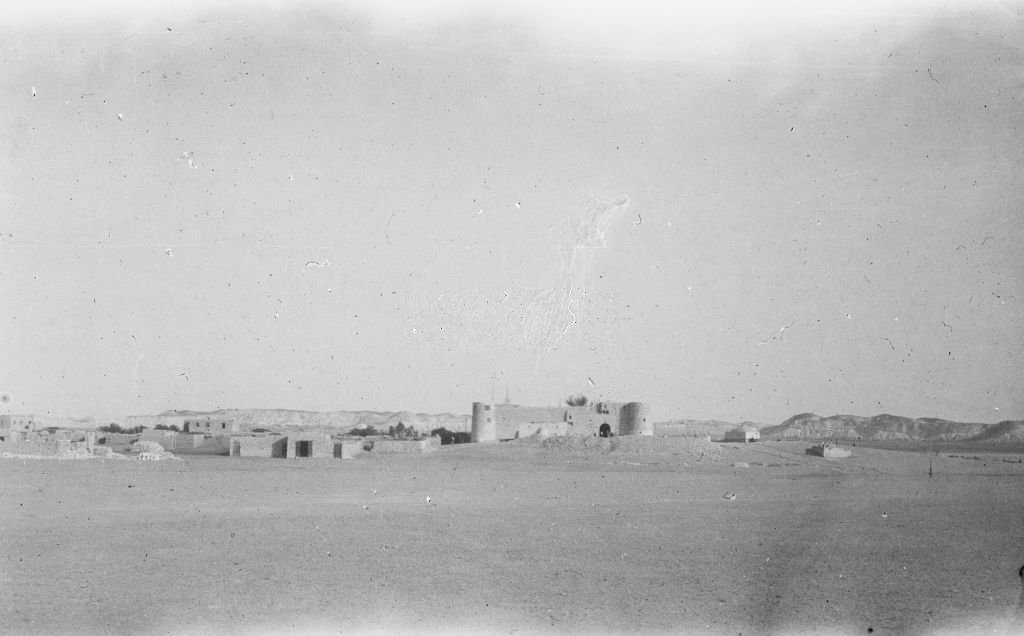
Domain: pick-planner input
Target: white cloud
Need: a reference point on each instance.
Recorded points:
(655, 29)
(635, 29)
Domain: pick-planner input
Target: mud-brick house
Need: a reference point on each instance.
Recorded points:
(211, 425)
(310, 445)
(16, 428)
(259, 446)
(294, 445)
(744, 433)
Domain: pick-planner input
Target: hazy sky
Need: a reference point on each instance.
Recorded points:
(741, 213)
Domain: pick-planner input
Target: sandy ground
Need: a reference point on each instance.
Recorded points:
(516, 538)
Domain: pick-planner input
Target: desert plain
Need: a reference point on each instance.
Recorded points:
(629, 535)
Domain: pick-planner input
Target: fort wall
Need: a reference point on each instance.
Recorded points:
(493, 422)
(407, 446)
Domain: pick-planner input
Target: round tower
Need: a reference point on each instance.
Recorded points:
(484, 427)
(634, 420)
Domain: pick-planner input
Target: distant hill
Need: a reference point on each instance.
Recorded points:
(1006, 431)
(333, 421)
(56, 421)
(715, 429)
(809, 426)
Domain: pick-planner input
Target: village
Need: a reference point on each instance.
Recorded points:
(175, 433)
(173, 436)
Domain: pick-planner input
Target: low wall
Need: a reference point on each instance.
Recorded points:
(407, 446)
(835, 453)
(167, 439)
(30, 447)
(348, 448)
(51, 447)
(547, 429)
(189, 440)
(120, 439)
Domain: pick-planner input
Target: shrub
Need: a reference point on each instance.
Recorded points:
(117, 428)
(401, 431)
(364, 431)
(576, 400)
(450, 437)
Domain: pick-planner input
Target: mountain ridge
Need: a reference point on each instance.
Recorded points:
(887, 427)
(882, 427)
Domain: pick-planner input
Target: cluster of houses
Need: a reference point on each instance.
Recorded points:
(306, 444)
(227, 436)
(23, 435)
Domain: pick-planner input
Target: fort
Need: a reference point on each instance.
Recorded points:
(495, 422)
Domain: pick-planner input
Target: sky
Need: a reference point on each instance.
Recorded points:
(736, 211)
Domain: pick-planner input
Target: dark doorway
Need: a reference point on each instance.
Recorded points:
(279, 448)
(304, 448)
(605, 430)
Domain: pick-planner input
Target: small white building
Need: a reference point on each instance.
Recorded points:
(744, 433)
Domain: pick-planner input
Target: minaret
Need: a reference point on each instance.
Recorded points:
(1020, 603)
